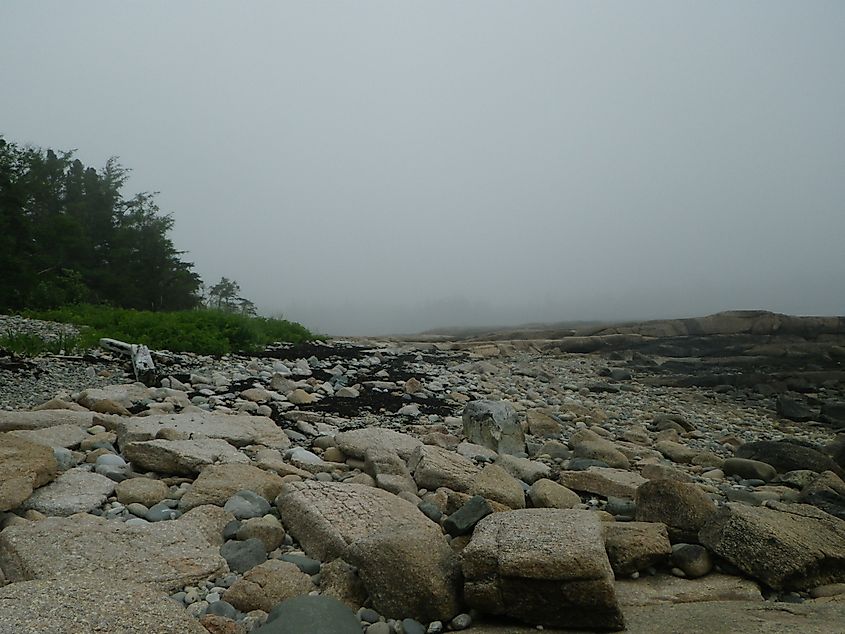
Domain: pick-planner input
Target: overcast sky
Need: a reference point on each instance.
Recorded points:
(374, 167)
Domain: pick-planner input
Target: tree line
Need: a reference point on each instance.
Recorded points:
(68, 235)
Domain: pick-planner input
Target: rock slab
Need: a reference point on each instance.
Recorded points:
(787, 546)
(71, 606)
(325, 517)
(74, 491)
(542, 566)
(168, 555)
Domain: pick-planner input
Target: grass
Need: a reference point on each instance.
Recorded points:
(200, 331)
(31, 345)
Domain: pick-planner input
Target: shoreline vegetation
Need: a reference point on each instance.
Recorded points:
(201, 331)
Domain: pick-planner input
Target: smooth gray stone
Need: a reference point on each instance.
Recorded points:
(242, 556)
(247, 504)
(311, 614)
(222, 608)
(410, 626)
(306, 564)
(160, 512)
(465, 518)
(582, 464)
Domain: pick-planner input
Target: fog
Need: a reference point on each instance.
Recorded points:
(380, 167)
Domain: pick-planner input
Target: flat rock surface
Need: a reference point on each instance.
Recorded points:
(167, 554)
(236, 429)
(67, 435)
(327, 516)
(665, 588)
(44, 418)
(74, 491)
(757, 617)
(77, 606)
(604, 481)
(182, 457)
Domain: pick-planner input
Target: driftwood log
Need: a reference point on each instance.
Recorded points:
(142, 361)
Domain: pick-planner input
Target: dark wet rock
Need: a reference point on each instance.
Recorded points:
(794, 410)
(785, 456)
(465, 518)
(312, 614)
(747, 468)
(833, 412)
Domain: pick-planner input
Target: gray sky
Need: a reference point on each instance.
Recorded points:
(373, 167)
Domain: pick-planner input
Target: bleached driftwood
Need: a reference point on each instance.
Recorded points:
(142, 360)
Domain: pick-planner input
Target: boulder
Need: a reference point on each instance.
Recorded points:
(494, 483)
(588, 444)
(325, 517)
(24, 466)
(529, 471)
(833, 413)
(542, 424)
(74, 491)
(340, 580)
(635, 546)
(168, 555)
(793, 409)
(464, 519)
(545, 493)
(749, 469)
(238, 430)
(409, 572)
(389, 470)
(266, 585)
(542, 566)
(267, 529)
(683, 507)
(181, 457)
(144, 491)
(693, 560)
(493, 424)
(216, 484)
(94, 604)
(786, 546)
(356, 442)
(242, 556)
(676, 452)
(603, 481)
(786, 456)
(113, 399)
(312, 614)
(435, 467)
(827, 492)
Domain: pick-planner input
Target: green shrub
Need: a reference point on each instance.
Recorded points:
(200, 331)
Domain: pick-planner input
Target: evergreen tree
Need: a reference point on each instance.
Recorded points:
(67, 235)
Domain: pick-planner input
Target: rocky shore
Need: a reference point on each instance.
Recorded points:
(593, 481)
